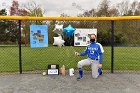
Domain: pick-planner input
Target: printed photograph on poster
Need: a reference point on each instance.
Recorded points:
(38, 36)
(82, 36)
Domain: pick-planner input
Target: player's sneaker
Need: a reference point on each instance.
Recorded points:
(80, 74)
(78, 78)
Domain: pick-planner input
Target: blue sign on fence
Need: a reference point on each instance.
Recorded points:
(38, 36)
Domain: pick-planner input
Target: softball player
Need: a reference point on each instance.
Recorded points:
(95, 55)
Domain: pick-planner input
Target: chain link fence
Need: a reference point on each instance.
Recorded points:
(9, 55)
(126, 46)
(126, 57)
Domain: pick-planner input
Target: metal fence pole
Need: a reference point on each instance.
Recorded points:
(112, 46)
(19, 42)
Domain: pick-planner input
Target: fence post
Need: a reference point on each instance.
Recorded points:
(19, 43)
(112, 46)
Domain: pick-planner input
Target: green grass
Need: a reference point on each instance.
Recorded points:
(126, 58)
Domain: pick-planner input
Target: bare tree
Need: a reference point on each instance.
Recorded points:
(34, 9)
(113, 11)
(138, 8)
(103, 8)
(123, 8)
(133, 7)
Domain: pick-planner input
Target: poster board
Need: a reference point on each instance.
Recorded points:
(81, 36)
(38, 36)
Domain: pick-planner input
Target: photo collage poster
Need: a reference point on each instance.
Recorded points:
(38, 36)
(82, 36)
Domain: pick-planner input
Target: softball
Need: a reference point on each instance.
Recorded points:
(44, 73)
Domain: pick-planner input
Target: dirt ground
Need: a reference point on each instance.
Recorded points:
(37, 83)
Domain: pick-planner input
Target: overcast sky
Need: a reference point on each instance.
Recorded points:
(57, 7)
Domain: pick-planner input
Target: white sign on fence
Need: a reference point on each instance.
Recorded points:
(81, 36)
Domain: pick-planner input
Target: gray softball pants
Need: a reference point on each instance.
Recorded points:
(93, 63)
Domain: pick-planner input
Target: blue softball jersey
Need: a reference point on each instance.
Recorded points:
(94, 51)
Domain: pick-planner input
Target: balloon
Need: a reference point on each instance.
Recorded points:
(58, 41)
(60, 37)
(69, 31)
(58, 29)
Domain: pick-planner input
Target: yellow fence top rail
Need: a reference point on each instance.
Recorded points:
(69, 18)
